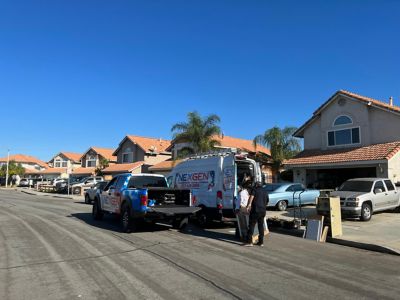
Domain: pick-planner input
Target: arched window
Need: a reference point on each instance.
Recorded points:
(342, 120)
(344, 135)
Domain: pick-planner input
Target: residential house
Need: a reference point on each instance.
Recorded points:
(137, 154)
(348, 136)
(92, 158)
(28, 162)
(61, 163)
(259, 153)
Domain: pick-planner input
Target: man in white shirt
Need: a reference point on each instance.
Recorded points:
(242, 214)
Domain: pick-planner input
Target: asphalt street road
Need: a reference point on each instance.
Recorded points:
(51, 249)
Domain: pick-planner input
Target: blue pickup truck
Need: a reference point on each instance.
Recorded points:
(144, 198)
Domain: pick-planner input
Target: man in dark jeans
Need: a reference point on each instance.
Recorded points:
(257, 206)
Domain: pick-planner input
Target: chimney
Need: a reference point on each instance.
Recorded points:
(391, 101)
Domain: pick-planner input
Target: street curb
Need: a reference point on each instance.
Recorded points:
(26, 192)
(353, 244)
(364, 246)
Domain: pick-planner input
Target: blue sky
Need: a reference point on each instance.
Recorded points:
(75, 74)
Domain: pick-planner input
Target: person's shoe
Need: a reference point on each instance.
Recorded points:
(260, 244)
(248, 245)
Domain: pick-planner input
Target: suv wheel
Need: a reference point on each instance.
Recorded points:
(76, 190)
(87, 199)
(366, 212)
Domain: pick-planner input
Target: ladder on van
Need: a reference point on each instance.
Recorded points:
(222, 152)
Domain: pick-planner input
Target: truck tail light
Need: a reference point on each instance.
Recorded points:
(219, 195)
(143, 200)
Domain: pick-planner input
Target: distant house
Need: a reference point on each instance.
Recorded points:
(259, 153)
(348, 136)
(91, 159)
(28, 162)
(65, 160)
(140, 152)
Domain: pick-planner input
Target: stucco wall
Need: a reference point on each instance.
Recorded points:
(137, 153)
(394, 168)
(385, 126)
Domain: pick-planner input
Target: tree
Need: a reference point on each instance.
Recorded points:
(104, 163)
(13, 169)
(198, 132)
(281, 143)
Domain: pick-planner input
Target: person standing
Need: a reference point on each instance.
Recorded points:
(257, 206)
(241, 211)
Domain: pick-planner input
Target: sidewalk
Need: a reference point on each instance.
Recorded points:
(381, 233)
(54, 195)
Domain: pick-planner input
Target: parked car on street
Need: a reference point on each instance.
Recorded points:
(24, 182)
(94, 191)
(86, 182)
(57, 180)
(283, 195)
(361, 197)
(144, 198)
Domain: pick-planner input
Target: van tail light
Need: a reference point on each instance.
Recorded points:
(143, 200)
(219, 200)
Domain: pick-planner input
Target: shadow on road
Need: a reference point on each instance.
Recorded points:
(112, 223)
(216, 231)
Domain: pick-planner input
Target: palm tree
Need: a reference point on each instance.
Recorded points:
(281, 143)
(198, 132)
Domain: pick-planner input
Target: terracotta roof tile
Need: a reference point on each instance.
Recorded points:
(123, 168)
(150, 144)
(82, 171)
(22, 158)
(107, 153)
(246, 145)
(165, 165)
(76, 157)
(373, 152)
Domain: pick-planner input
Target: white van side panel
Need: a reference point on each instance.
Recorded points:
(202, 176)
(228, 181)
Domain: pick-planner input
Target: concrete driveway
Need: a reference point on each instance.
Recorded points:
(382, 230)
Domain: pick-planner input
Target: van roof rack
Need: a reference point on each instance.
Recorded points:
(221, 152)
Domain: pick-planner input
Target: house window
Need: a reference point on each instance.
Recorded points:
(58, 163)
(127, 156)
(344, 137)
(342, 120)
(90, 161)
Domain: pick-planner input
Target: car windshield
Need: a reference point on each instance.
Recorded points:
(83, 180)
(356, 186)
(140, 182)
(272, 187)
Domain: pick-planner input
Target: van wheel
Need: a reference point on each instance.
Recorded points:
(127, 222)
(282, 205)
(97, 212)
(203, 219)
(366, 212)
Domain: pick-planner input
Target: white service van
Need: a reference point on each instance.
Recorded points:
(213, 179)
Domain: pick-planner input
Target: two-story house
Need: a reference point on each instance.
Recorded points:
(30, 163)
(135, 154)
(92, 158)
(348, 136)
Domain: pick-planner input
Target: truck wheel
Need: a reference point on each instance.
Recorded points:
(282, 205)
(127, 221)
(87, 199)
(366, 212)
(180, 224)
(97, 212)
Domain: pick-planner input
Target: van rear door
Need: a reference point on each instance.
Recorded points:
(229, 180)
